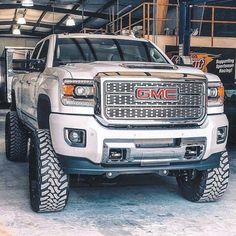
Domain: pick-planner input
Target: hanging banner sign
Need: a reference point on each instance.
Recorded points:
(219, 61)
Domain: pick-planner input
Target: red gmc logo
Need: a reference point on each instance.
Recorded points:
(153, 93)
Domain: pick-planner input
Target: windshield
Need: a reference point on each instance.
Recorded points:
(81, 50)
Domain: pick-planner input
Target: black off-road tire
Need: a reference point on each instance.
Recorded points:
(208, 185)
(16, 138)
(49, 185)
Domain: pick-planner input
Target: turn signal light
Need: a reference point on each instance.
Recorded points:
(68, 89)
(221, 91)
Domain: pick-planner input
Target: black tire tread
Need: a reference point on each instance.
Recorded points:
(216, 181)
(16, 138)
(210, 185)
(53, 183)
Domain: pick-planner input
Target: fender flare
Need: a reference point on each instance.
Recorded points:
(43, 111)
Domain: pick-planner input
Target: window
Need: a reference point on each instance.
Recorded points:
(134, 50)
(36, 51)
(105, 49)
(81, 50)
(44, 51)
(73, 50)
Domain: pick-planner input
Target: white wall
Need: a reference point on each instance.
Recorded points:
(16, 42)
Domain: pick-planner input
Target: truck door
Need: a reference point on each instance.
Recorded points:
(26, 108)
(36, 80)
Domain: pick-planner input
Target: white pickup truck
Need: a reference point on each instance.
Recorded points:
(111, 105)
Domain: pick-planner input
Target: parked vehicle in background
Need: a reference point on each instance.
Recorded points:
(10, 63)
(112, 105)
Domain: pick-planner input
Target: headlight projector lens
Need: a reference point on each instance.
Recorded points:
(83, 91)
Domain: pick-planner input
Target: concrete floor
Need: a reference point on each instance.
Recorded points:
(143, 205)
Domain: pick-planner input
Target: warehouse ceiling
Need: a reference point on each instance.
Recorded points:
(50, 16)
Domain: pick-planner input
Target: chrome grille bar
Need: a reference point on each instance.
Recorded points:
(121, 103)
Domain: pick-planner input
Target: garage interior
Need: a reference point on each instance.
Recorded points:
(196, 30)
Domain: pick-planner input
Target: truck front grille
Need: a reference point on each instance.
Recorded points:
(186, 100)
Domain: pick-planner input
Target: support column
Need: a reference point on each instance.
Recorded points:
(184, 28)
(161, 13)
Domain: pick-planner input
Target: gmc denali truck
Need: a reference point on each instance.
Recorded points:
(112, 105)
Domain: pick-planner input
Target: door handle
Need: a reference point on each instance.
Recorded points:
(21, 82)
(28, 82)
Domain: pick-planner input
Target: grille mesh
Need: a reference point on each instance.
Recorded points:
(120, 101)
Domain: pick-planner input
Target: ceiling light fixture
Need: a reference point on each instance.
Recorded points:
(16, 31)
(27, 3)
(21, 21)
(70, 21)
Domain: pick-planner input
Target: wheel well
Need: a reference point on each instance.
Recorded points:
(43, 111)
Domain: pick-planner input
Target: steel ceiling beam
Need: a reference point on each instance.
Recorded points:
(75, 7)
(57, 26)
(99, 11)
(39, 20)
(64, 18)
(29, 23)
(14, 18)
(25, 32)
(56, 10)
(25, 11)
(197, 2)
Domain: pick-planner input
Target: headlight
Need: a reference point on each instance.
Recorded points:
(78, 92)
(216, 94)
(83, 91)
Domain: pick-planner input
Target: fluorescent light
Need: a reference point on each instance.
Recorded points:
(27, 3)
(16, 31)
(21, 21)
(70, 22)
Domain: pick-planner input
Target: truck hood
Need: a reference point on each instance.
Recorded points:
(90, 70)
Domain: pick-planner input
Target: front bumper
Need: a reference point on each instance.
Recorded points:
(97, 136)
(73, 165)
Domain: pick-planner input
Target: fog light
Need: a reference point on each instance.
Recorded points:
(221, 134)
(75, 137)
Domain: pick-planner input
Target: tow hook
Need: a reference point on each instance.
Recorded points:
(111, 175)
(163, 172)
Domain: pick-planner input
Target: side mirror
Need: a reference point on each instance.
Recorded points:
(28, 65)
(37, 65)
(19, 65)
